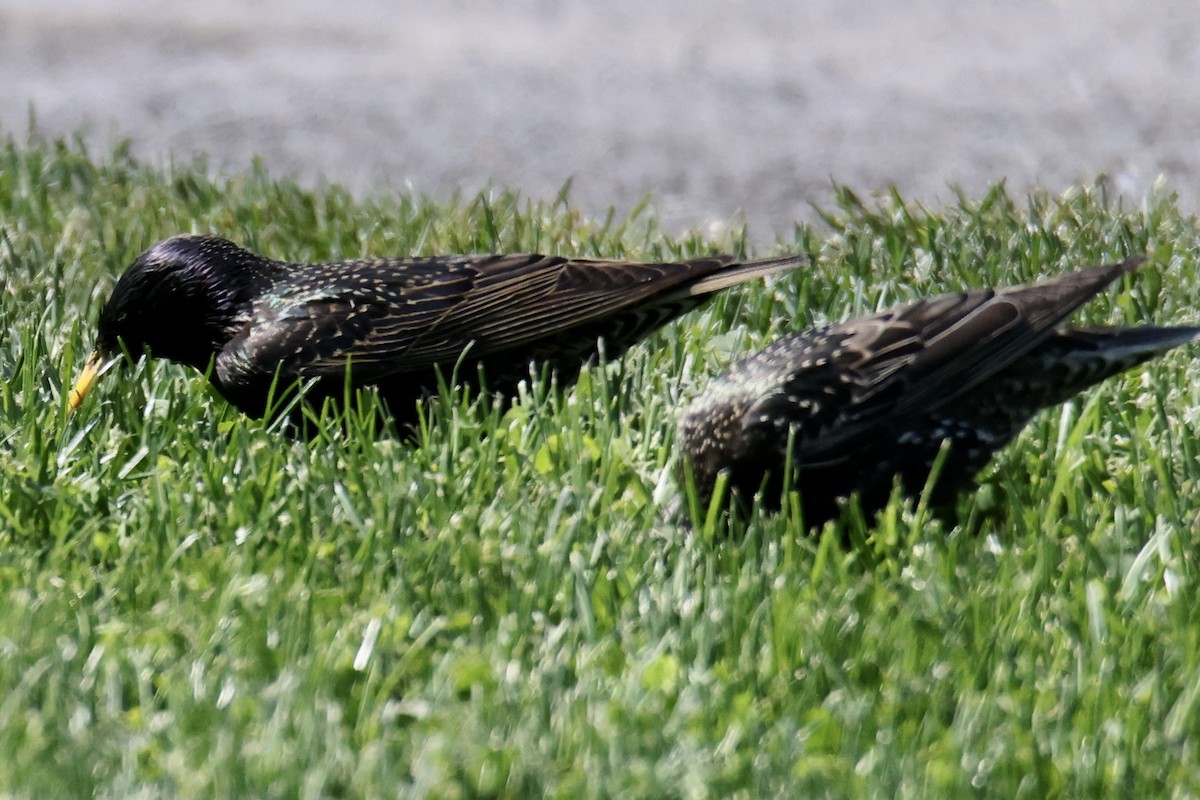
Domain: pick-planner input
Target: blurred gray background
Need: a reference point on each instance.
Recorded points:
(718, 109)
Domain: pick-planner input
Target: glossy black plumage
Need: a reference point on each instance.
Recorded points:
(873, 398)
(201, 300)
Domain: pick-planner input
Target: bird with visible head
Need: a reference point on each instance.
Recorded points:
(393, 323)
(860, 404)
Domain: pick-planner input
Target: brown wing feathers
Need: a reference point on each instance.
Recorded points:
(986, 331)
(502, 311)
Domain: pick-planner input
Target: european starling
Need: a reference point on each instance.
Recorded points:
(872, 399)
(391, 323)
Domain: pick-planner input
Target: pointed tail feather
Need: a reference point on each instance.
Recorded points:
(1122, 348)
(1073, 359)
(1048, 302)
(740, 273)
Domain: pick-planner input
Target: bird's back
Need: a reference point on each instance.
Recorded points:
(397, 323)
(874, 398)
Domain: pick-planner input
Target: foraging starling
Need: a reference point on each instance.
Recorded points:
(872, 399)
(392, 323)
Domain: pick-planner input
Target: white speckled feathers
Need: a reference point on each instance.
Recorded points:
(400, 315)
(898, 364)
(871, 398)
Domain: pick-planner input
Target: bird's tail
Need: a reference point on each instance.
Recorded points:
(742, 272)
(1073, 359)
(1044, 303)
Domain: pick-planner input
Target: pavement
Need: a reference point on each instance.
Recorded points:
(720, 110)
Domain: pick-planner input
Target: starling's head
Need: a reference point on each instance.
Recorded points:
(181, 300)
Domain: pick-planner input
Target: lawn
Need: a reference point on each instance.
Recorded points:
(192, 605)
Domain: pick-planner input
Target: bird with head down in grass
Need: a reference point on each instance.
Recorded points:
(857, 405)
(262, 328)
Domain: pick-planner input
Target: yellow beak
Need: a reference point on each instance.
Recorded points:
(91, 373)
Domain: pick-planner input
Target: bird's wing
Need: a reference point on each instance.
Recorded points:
(546, 296)
(410, 315)
(875, 373)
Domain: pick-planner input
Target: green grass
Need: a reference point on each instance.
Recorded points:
(193, 606)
